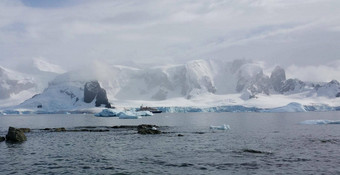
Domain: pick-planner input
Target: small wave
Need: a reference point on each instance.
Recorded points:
(320, 122)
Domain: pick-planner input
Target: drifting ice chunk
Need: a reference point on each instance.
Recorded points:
(128, 115)
(144, 113)
(223, 127)
(107, 113)
(320, 122)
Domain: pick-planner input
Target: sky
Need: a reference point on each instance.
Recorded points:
(294, 34)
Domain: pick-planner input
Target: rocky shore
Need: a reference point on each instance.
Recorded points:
(17, 135)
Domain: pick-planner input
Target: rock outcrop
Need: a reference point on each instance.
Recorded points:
(93, 91)
(148, 129)
(278, 78)
(15, 135)
(2, 139)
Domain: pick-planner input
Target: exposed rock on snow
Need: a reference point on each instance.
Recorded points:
(278, 78)
(92, 90)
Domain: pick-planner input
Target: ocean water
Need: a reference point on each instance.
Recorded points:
(257, 143)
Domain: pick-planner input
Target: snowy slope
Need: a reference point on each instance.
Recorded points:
(33, 78)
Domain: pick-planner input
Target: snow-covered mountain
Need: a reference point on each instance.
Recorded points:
(196, 83)
(33, 77)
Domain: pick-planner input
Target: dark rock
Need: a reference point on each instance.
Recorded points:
(255, 151)
(199, 132)
(92, 90)
(180, 135)
(59, 129)
(148, 129)
(15, 135)
(102, 99)
(277, 78)
(2, 139)
(125, 126)
(337, 95)
(25, 130)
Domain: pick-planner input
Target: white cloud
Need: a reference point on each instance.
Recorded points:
(279, 31)
(318, 73)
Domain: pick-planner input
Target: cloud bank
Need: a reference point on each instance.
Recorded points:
(74, 32)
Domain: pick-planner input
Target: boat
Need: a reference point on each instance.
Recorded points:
(153, 110)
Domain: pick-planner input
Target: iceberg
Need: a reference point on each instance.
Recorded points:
(128, 115)
(122, 114)
(223, 127)
(108, 113)
(320, 122)
(143, 113)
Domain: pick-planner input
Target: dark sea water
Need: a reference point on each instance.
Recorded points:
(257, 143)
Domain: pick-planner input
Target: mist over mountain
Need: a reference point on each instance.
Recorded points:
(215, 79)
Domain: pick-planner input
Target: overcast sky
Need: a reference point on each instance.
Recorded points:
(72, 32)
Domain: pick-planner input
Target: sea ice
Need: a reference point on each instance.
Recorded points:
(320, 122)
(223, 127)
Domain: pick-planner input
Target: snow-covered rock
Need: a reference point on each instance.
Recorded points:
(67, 94)
(292, 86)
(331, 89)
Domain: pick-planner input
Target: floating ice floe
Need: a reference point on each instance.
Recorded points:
(128, 115)
(123, 114)
(223, 127)
(108, 113)
(143, 113)
(320, 122)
